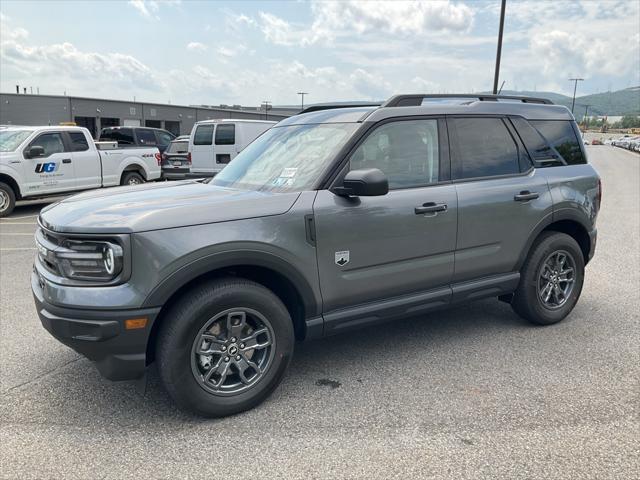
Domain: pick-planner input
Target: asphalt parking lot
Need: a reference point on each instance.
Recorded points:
(470, 392)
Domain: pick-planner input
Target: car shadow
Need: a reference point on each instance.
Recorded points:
(77, 395)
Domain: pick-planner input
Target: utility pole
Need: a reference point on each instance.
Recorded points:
(584, 119)
(302, 94)
(499, 52)
(267, 106)
(575, 86)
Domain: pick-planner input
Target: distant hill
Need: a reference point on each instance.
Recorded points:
(620, 102)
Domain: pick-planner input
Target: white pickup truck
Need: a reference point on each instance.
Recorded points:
(37, 162)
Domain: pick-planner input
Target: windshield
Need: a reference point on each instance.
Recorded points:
(11, 139)
(286, 159)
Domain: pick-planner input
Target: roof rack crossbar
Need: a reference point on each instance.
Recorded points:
(415, 100)
(331, 106)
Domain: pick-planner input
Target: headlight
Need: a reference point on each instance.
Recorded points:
(85, 260)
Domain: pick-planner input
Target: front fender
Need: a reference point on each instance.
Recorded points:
(234, 258)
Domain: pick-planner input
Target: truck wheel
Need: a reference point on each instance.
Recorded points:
(132, 178)
(551, 279)
(7, 200)
(224, 347)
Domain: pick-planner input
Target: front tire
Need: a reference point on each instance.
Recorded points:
(7, 200)
(551, 279)
(224, 347)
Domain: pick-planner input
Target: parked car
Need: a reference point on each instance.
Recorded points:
(176, 160)
(37, 162)
(138, 137)
(214, 143)
(332, 220)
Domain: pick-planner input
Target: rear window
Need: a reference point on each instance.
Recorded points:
(178, 147)
(146, 137)
(226, 134)
(124, 136)
(560, 135)
(78, 142)
(203, 135)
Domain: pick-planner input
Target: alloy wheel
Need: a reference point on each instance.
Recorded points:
(233, 351)
(556, 279)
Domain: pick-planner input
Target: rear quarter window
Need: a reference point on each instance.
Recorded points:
(561, 135)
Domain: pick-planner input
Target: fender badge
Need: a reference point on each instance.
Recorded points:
(342, 258)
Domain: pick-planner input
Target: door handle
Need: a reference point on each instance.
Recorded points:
(431, 207)
(526, 195)
(66, 160)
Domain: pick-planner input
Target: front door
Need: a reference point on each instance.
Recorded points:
(501, 198)
(375, 248)
(53, 170)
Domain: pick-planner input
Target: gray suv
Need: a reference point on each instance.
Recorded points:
(334, 219)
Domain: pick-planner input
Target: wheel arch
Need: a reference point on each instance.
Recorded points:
(134, 167)
(564, 222)
(284, 280)
(9, 180)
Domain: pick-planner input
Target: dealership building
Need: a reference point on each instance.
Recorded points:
(95, 114)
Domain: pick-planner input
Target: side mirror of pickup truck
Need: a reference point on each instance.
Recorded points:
(368, 182)
(35, 151)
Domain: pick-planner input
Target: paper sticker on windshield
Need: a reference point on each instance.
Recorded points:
(289, 172)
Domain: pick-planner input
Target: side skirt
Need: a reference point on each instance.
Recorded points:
(411, 305)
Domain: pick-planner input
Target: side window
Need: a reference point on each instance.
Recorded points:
(51, 142)
(561, 136)
(146, 137)
(406, 151)
(78, 142)
(484, 148)
(124, 136)
(226, 134)
(163, 138)
(542, 154)
(203, 135)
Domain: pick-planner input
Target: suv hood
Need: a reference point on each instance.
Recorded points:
(156, 206)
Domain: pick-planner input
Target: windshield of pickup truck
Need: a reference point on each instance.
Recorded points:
(11, 139)
(286, 159)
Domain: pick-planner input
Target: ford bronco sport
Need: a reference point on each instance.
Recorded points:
(335, 218)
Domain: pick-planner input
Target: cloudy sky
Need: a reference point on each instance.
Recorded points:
(196, 52)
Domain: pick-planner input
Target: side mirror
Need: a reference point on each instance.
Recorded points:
(369, 182)
(35, 151)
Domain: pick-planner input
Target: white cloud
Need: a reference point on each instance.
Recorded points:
(196, 46)
(149, 8)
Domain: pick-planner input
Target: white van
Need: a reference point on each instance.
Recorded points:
(214, 143)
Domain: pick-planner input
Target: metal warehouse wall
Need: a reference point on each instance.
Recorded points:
(51, 110)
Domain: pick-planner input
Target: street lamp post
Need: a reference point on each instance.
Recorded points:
(267, 106)
(302, 94)
(499, 52)
(575, 86)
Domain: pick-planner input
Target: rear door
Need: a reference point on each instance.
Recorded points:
(225, 144)
(51, 172)
(86, 161)
(376, 248)
(501, 197)
(202, 160)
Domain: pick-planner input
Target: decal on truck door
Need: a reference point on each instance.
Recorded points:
(49, 167)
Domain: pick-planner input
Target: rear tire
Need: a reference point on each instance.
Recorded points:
(214, 310)
(132, 178)
(7, 200)
(551, 279)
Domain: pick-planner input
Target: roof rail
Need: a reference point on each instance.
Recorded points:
(331, 106)
(415, 100)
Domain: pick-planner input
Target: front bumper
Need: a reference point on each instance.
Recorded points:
(99, 335)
